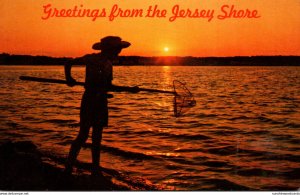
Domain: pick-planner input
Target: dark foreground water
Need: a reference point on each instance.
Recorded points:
(244, 133)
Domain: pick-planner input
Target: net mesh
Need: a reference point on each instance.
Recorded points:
(183, 99)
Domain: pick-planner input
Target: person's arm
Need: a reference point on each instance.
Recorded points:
(68, 67)
(70, 81)
(110, 77)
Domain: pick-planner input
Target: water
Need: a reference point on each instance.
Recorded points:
(244, 133)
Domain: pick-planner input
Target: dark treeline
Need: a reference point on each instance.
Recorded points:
(7, 59)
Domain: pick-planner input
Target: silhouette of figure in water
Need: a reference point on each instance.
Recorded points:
(94, 109)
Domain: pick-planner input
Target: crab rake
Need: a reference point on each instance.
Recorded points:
(183, 98)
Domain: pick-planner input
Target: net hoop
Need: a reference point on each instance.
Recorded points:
(183, 98)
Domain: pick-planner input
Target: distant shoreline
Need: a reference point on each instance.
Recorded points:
(8, 59)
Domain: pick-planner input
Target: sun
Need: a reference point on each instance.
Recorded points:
(166, 49)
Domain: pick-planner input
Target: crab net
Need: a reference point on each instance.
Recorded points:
(183, 99)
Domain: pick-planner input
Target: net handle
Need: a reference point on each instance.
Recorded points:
(114, 88)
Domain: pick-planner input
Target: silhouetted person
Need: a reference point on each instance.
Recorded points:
(94, 109)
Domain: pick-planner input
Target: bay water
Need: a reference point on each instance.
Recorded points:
(243, 134)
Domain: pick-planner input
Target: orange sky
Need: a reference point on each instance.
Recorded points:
(276, 32)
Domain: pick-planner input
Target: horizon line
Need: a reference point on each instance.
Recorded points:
(178, 56)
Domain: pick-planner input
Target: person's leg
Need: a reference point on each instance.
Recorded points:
(76, 146)
(83, 134)
(99, 121)
(96, 143)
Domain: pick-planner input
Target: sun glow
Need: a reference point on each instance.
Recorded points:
(166, 49)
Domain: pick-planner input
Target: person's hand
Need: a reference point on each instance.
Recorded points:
(71, 82)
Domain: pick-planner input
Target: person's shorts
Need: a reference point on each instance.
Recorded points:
(94, 109)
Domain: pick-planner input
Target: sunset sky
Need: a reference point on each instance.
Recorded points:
(276, 32)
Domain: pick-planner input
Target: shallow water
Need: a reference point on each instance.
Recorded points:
(244, 133)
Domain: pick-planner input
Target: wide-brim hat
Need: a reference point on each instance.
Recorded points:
(111, 42)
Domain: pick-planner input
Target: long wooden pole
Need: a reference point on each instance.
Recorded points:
(114, 88)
